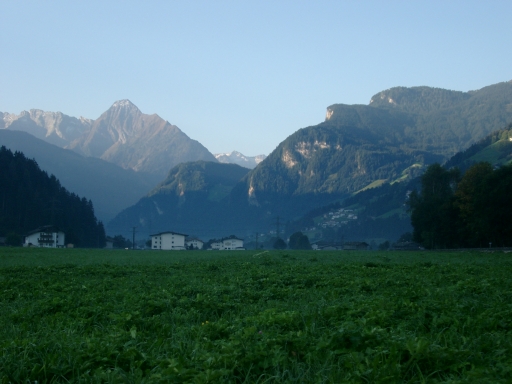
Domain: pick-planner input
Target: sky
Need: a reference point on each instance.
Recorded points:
(243, 75)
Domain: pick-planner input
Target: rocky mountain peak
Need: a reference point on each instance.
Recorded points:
(124, 104)
(236, 157)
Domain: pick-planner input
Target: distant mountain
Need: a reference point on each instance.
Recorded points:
(193, 199)
(240, 159)
(125, 136)
(53, 127)
(122, 135)
(110, 187)
(357, 148)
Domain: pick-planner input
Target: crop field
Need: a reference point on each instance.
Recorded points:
(91, 316)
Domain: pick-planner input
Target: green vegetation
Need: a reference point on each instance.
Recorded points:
(29, 199)
(472, 211)
(495, 148)
(234, 317)
(192, 198)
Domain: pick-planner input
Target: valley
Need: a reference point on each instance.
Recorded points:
(363, 157)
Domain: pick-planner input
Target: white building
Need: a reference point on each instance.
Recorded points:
(168, 241)
(228, 244)
(194, 242)
(233, 243)
(47, 237)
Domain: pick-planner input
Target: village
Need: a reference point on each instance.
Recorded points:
(52, 237)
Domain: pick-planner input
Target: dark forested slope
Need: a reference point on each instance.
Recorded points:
(29, 199)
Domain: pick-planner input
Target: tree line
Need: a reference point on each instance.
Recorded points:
(29, 199)
(454, 211)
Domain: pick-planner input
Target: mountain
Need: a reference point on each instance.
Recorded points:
(53, 127)
(356, 149)
(125, 136)
(31, 199)
(391, 139)
(194, 198)
(122, 135)
(382, 212)
(495, 149)
(240, 159)
(110, 187)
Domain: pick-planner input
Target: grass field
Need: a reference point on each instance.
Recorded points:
(246, 317)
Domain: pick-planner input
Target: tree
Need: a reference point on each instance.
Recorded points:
(299, 241)
(121, 242)
(471, 200)
(279, 244)
(483, 200)
(433, 214)
(13, 239)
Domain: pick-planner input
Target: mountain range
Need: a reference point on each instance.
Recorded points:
(236, 157)
(122, 135)
(356, 148)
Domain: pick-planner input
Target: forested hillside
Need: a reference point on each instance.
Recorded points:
(382, 211)
(110, 187)
(192, 199)
(29, 198)
(391, 139)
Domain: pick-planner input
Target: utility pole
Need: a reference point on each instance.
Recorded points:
(277, 227)
(133, 238)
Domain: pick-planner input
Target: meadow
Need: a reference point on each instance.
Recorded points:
(94, 316)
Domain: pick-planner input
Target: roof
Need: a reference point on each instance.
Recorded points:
(45, 228)
(194, 239)
(166, 232)
(231, 238)
(324, 243)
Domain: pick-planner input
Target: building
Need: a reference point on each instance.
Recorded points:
(168, 241)
(194, 242)
(323, 245)
(355, 245)
(47, 236)
(233, 243)
(228, 244)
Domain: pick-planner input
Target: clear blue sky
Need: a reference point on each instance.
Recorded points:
(243, 75)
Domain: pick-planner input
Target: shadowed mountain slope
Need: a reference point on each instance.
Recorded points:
(110, 187)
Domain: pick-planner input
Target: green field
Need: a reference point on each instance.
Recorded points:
(243, 317)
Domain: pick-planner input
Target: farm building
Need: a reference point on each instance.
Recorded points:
(168, 241)
(47, 236)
